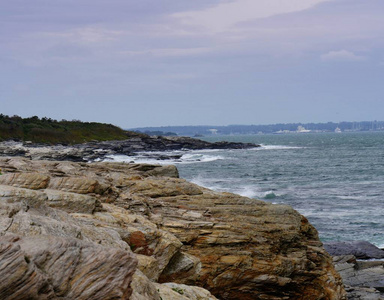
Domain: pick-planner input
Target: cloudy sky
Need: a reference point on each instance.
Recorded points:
(202, 62)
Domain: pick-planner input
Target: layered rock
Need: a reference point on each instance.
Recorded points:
(50, 267)
(236, 247)
(361, 266)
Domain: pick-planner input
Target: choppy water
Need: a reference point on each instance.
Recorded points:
(335, 180)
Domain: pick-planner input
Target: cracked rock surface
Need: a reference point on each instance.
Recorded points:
(154, 235)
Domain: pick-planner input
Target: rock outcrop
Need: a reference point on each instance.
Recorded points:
(100, 150)
(185, 239)
(361, 266)
(359, 249)
(50, 267)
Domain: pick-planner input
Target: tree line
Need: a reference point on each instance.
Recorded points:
(47, 130)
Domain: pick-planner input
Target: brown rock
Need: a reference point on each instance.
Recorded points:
(164, 187)
(20, 279)
(33, 181)
(47, 267)
(236, 247)
(142, 236)
(72, 202)
(248, 249)
(25, 212)
(79, 185)
(143, 288)
(182, 266)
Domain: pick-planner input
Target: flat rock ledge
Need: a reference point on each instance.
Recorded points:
(361, 265)
(126, 231)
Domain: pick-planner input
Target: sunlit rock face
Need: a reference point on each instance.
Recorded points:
(173, 230)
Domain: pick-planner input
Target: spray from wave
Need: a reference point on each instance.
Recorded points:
(165, 158)
(231, 186)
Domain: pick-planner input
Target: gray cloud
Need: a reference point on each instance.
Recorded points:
(342, 55)
(98, 60)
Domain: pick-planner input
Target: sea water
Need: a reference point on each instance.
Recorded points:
(336, 180)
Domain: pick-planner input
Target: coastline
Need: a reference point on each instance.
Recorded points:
(353, 272)
(236, 247)
(154, 146)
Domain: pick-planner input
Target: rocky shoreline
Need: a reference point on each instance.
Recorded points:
(128, 231)
(94, 151)
(361, 265)
(152, 235)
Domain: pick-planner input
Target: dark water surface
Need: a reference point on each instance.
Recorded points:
(335, 179)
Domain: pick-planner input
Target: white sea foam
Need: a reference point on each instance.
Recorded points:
(199, 180)
(228, 185)
(255, 192)
(198, 157)
(277, 147)
(248, 191)
(150, 158)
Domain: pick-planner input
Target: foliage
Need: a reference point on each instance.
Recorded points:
(178, 290)
(46, 130)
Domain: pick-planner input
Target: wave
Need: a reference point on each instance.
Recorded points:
(191, 158)
(221, 185)
(164, 158)
(277, 147)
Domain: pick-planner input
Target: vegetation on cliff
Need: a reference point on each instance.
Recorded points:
(46, 130)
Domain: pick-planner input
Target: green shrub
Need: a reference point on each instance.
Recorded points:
(50, 131)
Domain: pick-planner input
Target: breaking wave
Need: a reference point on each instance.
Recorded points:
(277, 147)
(164, 158)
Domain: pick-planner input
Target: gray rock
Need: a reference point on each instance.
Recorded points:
(364, 279)
(99, 150)
(360, 249)
(361, 293)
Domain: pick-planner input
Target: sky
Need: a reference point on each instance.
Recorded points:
(202, 62)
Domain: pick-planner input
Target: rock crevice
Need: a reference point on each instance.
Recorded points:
(110, 216)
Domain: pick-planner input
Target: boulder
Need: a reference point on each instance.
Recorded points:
(51, 267)
(142, 236)
(143, 288)
(182, 266)
(247, 248)
(359, 249)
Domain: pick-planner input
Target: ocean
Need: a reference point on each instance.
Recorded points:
(336, 180)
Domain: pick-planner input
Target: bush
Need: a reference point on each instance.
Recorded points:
(50, 131)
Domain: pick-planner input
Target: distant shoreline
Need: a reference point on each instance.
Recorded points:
(211, 130)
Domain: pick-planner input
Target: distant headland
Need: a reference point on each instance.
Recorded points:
(47, 130)
(208, 130)
(83, 141)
